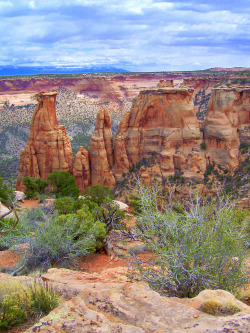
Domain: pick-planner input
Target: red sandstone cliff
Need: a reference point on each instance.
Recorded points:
(161, 121)
(226, 125)
(48, 146)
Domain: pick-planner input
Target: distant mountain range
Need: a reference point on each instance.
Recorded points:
(36, 70)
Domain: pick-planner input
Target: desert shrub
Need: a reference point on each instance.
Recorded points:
(203, 145)
(215, 307)
(54, 239)
(6, 193)
(62, 239)
(19, 301)
(204, 247)
(64, 205)
(68, 205)
(99, 200)
(135, 203)
(98, 193)
(43, 297)
(34, 186)
(244, 147)
(64, 184)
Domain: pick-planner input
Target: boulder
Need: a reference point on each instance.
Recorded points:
(20, 196)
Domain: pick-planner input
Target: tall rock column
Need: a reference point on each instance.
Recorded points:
(101, 151)
(48, 146)
(81, 170)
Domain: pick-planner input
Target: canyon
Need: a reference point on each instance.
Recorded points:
(162, 121)
(81, 96)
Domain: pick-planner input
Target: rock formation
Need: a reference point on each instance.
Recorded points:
(48, 146)
(81, 170)
(226, 125)
(109, 302)
(101, 151)
(163, 122)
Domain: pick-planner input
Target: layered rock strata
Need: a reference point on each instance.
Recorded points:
(227, 125)
(101, 151)
(48, 146)
(163, 122)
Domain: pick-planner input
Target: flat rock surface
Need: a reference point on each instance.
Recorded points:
(108, 302)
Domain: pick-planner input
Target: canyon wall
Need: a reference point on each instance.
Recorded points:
(161, 122)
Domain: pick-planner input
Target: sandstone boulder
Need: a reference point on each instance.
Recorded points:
(48, 146)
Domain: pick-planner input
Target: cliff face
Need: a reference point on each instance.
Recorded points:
(161, 121)
(48, 146)
(227, 125)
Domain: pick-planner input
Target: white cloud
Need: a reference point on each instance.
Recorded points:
(140, 35)
(32, 4)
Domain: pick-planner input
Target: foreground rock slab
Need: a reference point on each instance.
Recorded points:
(109, 303)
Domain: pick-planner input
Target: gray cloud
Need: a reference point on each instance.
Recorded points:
(145, 35)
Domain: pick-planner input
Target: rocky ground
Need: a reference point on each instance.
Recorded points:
(99, 296)
(110, 302)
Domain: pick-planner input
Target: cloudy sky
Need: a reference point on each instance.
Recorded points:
(136, 35)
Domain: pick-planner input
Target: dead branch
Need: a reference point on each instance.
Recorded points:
(5, 214)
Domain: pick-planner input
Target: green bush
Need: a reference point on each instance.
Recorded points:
(63, 239)
(55, 240)
(64, 184)
(34, 187)
(98, 193)
(200, 248)
(6, 193)
(67, 205)
(19, 302)
(203, 145)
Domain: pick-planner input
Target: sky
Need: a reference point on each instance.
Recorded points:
(136, 35)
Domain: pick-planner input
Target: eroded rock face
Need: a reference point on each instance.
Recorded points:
(81, 170)
(161, 121)
(226, 125)
(48, 146)
(101, 151)
(108, 302)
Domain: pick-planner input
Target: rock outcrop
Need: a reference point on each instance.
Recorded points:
(81, 170)
(227, 125)
(109, 302)
(101, 151)
(163, 122)
(48, 146)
